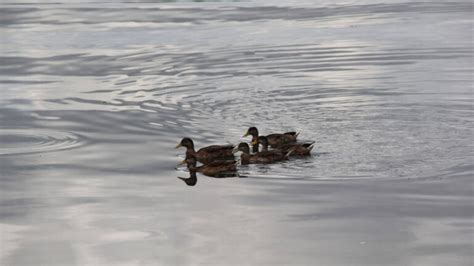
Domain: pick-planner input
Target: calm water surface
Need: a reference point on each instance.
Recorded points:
(94, 97)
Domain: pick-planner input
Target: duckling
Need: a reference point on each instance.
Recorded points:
(214, 169)
(207, 154)
(274, 140)
(263, 157)
(298, 149)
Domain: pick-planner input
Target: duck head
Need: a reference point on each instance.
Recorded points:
(187, 143)
(243, 147)
(252, 131)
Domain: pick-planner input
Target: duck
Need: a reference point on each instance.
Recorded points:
(298, 149)
(207, 154)
(263, 157)
(218, 168)
(274, 140)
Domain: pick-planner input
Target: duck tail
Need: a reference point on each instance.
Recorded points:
(297, 133)
(311, 147)
(308, 144)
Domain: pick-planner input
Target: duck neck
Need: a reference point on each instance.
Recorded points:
(190, 151)
(255, 143)
(190, 148)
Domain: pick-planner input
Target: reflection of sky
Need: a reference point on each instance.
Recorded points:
(385, 95)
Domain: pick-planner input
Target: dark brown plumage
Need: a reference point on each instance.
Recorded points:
(298, 149)
(207, 154)
(263, 157)
(274, 140)
(223, 168)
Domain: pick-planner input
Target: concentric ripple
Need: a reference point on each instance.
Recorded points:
(29, 141)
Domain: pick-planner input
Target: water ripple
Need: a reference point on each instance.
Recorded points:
(154, 16)
(29, 141)
(340, 81)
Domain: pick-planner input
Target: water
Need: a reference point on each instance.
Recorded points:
(94, 97)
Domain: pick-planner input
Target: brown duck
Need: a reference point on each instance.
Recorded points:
(218, 169)
(274, 140)
(207, 154)
(298, 149)
(263, 157)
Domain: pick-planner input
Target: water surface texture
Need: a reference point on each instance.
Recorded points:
(94, 97)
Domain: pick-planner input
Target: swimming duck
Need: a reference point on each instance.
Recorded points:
(222, 168)
(207, 154)
(298, 149)
(263, 157)
(274, 140)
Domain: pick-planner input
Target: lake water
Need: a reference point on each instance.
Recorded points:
(95, 96)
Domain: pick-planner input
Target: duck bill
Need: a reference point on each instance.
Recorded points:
(235, 149)
(178, 146)
(181, 163)
(246, 134)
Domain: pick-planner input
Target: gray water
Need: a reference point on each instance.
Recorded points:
(94, 97)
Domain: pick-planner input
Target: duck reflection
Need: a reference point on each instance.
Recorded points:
(216, 169)
(207, 154)
(191, 181)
